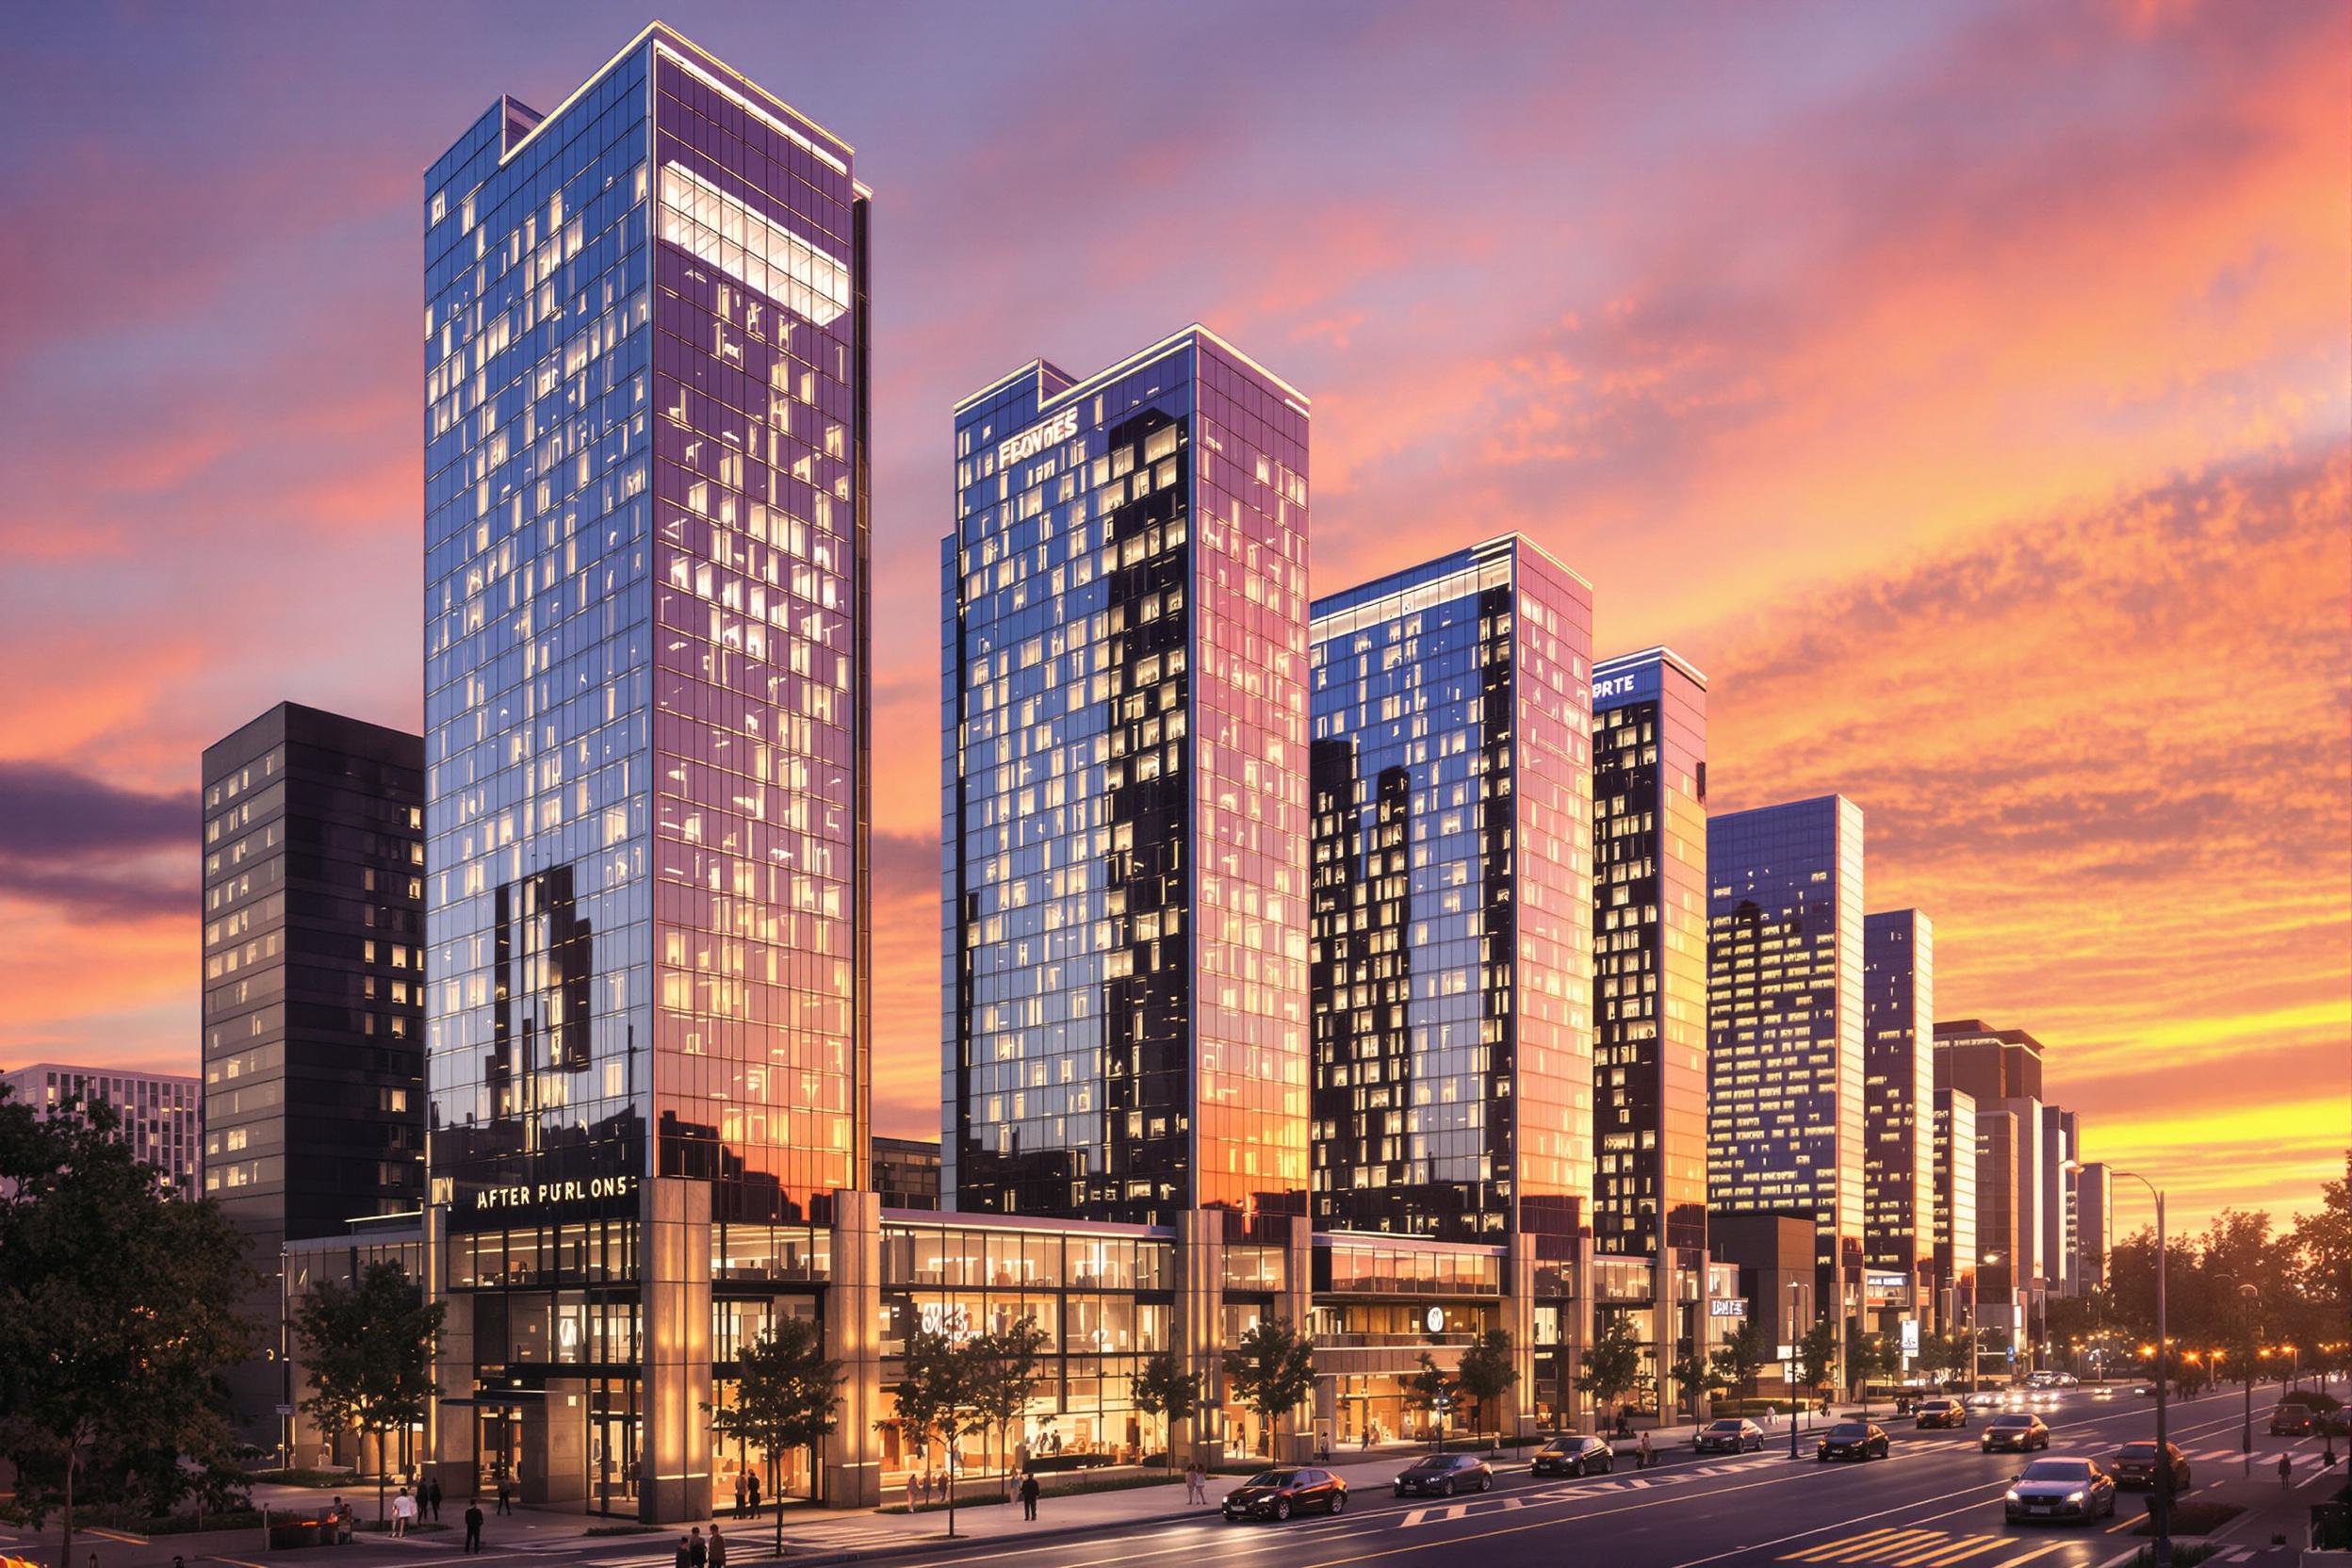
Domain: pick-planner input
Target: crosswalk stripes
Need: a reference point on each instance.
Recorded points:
(1904, 1546)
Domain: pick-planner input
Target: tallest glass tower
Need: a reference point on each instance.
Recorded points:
(645, 529)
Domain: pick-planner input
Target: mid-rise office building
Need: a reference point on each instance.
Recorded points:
(1897, 1098)
(1451, 941)
(314, 979)
(1785, 1004)
(162, 1114)
(906, 1173)
(1956, 1210)
(646, 633)
(2002, 1069)
(2092, 1226)
(2062, 1156)
(1125, 764)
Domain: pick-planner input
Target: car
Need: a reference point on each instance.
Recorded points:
(2015, 1430)
(1442, 1475)
(1863, 1440)
(2333, 1423)
(1279, 1493)
(2291, 1420)
(1984, 1399)
(1574, 1456)
(1940, 1412)
(2135, 1466)
(1730, 1435)
(2059, 1488)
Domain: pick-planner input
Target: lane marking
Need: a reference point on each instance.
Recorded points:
(2038, 1551)
(1967, 1546)
(1816, 1554)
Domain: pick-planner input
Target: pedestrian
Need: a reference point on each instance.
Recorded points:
(1029, 1494)
(683, 1560)
(2286, 1472)
(740, 1492)
(403, 1510)
(473, 1526)
(432, 1497)
(504, 1506)
(752, 1490)
(1196, 1482)
(718, 1548)
(336, 1514)
(1644, 1461)
(698, 1552)
(350, 1520)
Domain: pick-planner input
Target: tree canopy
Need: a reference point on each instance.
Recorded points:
(787, 1393)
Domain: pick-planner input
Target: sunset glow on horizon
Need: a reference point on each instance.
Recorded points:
(1967, 390)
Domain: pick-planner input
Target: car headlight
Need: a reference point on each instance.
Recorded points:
(2075, 1497)
(2013, 1495)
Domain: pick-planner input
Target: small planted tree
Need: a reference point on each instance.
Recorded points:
(368, 1351)
(1270, 1371)
(1164, 1388)
(1005, 1367)
(1487, 1371)
(1874, 1357)
(1692, 1375)
(1741, 1357)
(787, 1392)
(1429, 1391)
(937, 1400)
(1817, 1355)
(1612, 1365)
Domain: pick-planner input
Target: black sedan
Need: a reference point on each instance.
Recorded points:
(2060, 1489)
(2135, 1466)
(1280, 1494)
(2290, 1420)
(1728, 1436)
(2015, 1430)
(1442, 1475)
(1863, 1440)
(1574, 1456)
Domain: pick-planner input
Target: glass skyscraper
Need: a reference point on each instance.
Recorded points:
(646, 532)
(1649, 954)
(1451, 790)
(1956, 1204)
(1897, 1098)
(1785, 1058)
(1123, 670)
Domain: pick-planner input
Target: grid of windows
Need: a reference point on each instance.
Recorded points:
(645, 545)
(1123, 699)
(162, 1112)
(1649, 954)
(1899, 1078)
(1955, 1199)
(1451, 781)
(1785, 1020)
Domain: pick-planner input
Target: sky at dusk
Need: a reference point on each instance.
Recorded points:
(1967, 390)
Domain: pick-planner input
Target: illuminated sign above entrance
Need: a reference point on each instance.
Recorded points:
(1030, 442)
(532, 1195)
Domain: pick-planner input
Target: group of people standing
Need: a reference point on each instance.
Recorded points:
(746, 1494)
(693, 1551)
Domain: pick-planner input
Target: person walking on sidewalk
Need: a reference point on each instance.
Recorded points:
(1642, 1461)
(698, 1552)
(403, 1510)
(740, 1492)
(752, 1490)
(504, 1506)
(718, 1548)
(1196, 1483)
(683, 1560)
(1029, 1494)
(432, 1497)
(2286, 1472)
(473, 1526)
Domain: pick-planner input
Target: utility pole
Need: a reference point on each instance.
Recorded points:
(2160, 1553)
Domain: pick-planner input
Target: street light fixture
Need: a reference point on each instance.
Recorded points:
(1796, 1406)
(2159, 1550)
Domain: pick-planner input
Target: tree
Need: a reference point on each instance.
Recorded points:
(368, 1352)
(1429, 1391)
(115, 1312)
(2319, 1256)
(1166, 1389)
(1693, 1375)
(1270, 1371)
(1817, 1355)
(1742, 1356)
(1487, 1370)
(937, 1399)
(787, 1392)
(1613, 1363)
(1005, 1368)
(1874, 1356)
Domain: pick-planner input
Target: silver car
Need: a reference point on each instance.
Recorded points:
(2060, 1489)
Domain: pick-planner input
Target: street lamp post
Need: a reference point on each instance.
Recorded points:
(1796, 1406)
(2160, 1552)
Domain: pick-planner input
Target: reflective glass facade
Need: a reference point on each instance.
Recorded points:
(1649, 954)
(646, 540)
(1451, 790)
(1123, 671)
(1899, 1086)
(1784, 1060)
(1955, 1200)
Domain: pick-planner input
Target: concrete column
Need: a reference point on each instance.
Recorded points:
(1296, 1303)
(1575, 1332)
(451, 1433)
(1199, 1304)
(1518, 1320)
(850, 1463)
(677, 1252)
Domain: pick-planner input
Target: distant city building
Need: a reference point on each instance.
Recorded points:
(1779, 1283)
(1125, 779)
(1899, 1091)
(2002, 1069)
(2093, 1230)
(2062, 1153)
(1955, 1205)
(162, 1112)
(314, 982)
(1785, 1006)
(1451, 878)
(906, 1173)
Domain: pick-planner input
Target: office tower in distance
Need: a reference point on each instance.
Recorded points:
(1123, 795)
(1452, 885)
(314, 978)
(2062, 1156)
(1785, 1004)
(1649, 954)
(2002, 1069)
(906, 1173)
(162, 1112)
(2092, 1235)
(645, 580)
(1955, 1205)
(1898, 1100)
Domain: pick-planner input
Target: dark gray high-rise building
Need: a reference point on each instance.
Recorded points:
(2002, 1069)
(314, 978)
(1898, 1111)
